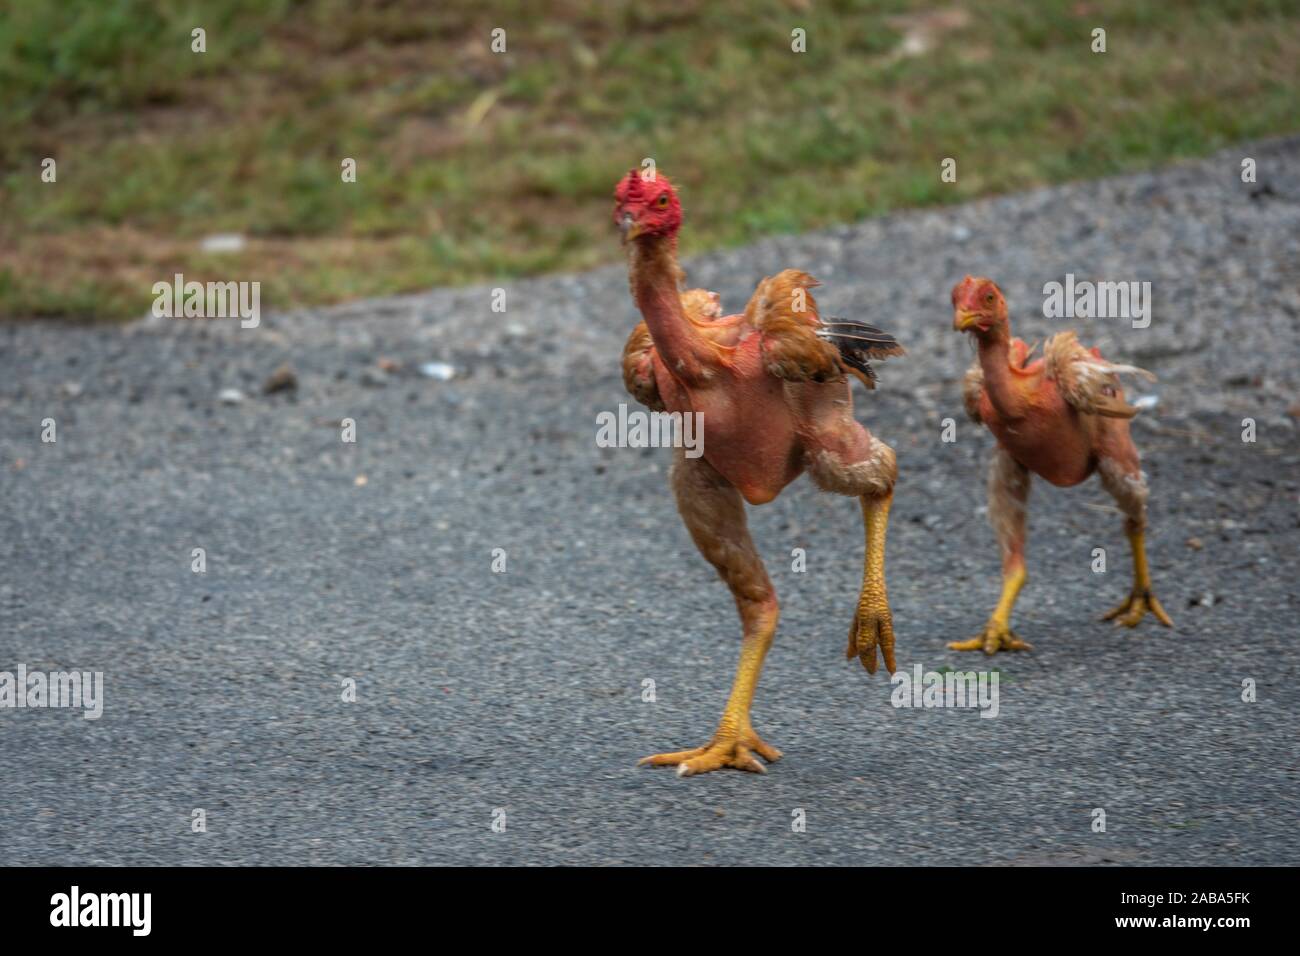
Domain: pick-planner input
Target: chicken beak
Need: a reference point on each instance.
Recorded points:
(963, 321)
(629, 226)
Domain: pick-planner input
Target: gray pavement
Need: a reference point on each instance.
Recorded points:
(522, 690)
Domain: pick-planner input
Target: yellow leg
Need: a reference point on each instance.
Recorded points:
(734, 743)
(1008, 497)
(753, 649)
(1011, 585)
(1131, 611)
(873, 624)
(715, 515)
(997, 634)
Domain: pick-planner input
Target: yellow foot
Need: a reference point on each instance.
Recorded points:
(1131, 611)
(995, 637)
(872, 628)
(730, 751)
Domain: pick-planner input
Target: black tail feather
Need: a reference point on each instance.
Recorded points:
(857, 342)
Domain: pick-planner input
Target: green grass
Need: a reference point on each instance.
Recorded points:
(477, 166)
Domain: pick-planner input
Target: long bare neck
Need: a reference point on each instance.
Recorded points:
(655, 278)
(1000, 383)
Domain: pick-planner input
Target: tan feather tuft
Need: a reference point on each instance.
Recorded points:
(1088, 382)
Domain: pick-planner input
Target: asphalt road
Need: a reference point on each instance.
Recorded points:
(523, 690)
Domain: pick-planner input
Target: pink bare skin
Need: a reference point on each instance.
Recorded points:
(765, 422)
(760, 428)
(758, 436)
(1061, 417)
(1026, 411)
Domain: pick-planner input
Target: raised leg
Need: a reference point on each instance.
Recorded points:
(715, 515)
(850, 461)
(1008, 495)
(1124, 480)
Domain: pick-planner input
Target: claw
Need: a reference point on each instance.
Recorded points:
(669, 759)
(872, 628)
(1159, 611)
(1131, 610)
(995, 637)
(734, 752)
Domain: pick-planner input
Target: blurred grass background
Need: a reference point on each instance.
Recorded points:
(475, 166)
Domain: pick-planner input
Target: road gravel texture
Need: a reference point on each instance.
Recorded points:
(480, 692)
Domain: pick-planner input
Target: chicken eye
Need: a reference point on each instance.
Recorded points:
(988, 297)
(663, 200)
